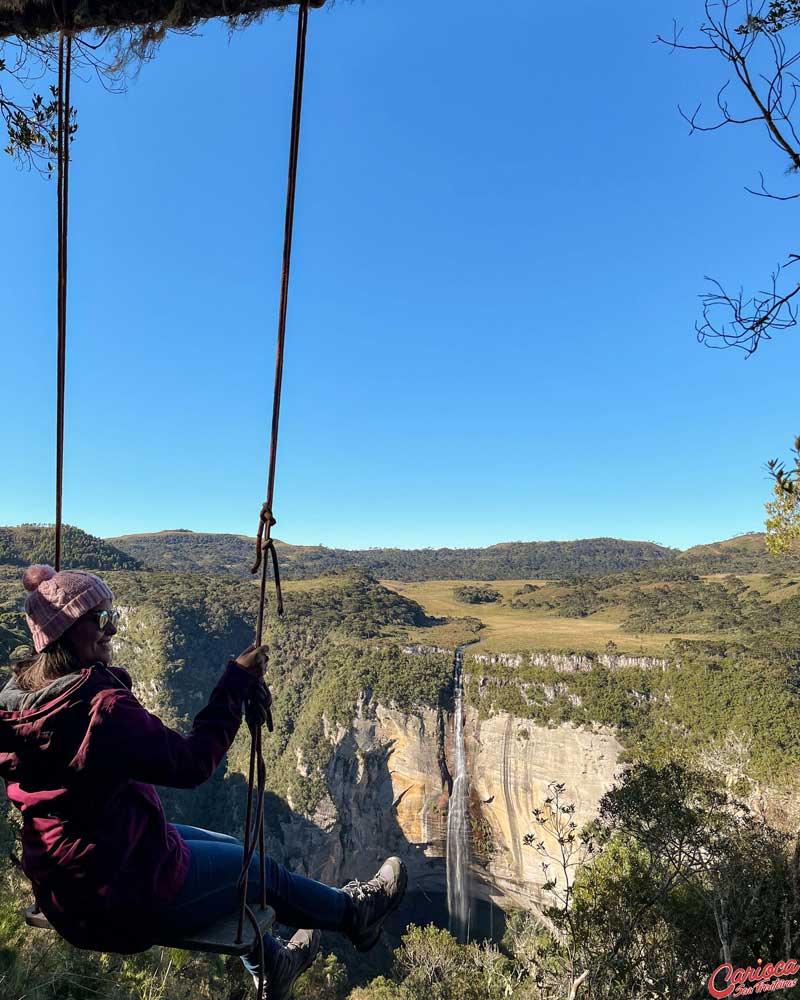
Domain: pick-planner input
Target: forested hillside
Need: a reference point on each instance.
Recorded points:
(742, 554)
(234, 554)
(34, 543)
(192, 551)
(196, 552)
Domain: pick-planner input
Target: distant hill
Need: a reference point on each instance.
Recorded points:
(190, 551)
(185, 551)
(742, 554)
(35, 543)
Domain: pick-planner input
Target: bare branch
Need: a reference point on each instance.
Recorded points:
(751, 39)
(764, 193)
(746, 321)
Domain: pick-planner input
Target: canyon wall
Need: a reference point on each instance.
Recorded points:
(388, 783)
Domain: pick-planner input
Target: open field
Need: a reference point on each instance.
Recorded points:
(510, 630)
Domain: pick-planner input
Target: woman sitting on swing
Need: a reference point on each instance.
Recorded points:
(80, 754)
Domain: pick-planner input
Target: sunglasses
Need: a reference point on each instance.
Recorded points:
(106, 618)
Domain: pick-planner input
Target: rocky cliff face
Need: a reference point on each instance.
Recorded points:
(570, 663)
(388, 778)
(388, 783)
(512, 763)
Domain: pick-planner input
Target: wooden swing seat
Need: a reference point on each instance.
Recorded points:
(218, 938)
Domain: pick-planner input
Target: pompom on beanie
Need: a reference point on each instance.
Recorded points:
(57, 600)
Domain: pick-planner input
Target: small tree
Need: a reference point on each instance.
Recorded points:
(433, 965)
(783, 511)
(678, 877)
(560, 967)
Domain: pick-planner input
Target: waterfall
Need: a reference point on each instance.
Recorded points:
(458, 825)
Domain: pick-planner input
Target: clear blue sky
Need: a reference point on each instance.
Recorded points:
(502, 231)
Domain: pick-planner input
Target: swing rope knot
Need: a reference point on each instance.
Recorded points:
(267, 515)
(266, 521)
(260, 706)
(265, 543)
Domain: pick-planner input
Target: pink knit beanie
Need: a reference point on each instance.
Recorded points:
(58, 600)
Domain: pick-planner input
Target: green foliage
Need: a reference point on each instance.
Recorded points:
(578, 598)
(362, 607)
(332, 656)
(698, 606)
(39, 964)
(648, 602)
(476, 595)
(190, 551)
(744, 554)
(193, 552)
(30, 120)
(178, 630)
(35, 543)
(379, 989)
(783, 512)
(703, 696)
(325, 980)
(779, 15)
(783, 519)
(672, 877)
(317, 683)
(433, 965)
(176, 633)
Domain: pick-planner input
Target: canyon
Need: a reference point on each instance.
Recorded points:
(388, 786)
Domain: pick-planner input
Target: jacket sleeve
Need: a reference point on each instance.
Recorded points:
(126, 740)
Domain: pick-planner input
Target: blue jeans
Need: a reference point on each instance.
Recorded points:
(210, 892)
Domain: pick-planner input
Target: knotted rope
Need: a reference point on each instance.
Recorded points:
(258, 706)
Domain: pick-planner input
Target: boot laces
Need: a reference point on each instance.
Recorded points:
(363, 890)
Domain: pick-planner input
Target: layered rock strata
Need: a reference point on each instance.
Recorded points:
(388, 784)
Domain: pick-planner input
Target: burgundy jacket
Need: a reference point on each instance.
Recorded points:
(79, 758)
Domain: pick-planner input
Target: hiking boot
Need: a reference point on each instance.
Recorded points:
(294, 957)
(373, 901)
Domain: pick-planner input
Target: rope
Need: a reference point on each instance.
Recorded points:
(258, 711)
(63, 130)
(256, 714)
(62, 195)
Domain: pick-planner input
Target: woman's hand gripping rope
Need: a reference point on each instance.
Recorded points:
(258, 704)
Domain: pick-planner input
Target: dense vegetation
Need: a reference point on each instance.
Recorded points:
(34, 543)
(476, 595)
(193, 552)
(733, 699)
(743, 554)
(673, 876)
(678, 603)
(190, 551)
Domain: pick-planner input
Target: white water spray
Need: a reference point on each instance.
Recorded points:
(458, 825)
